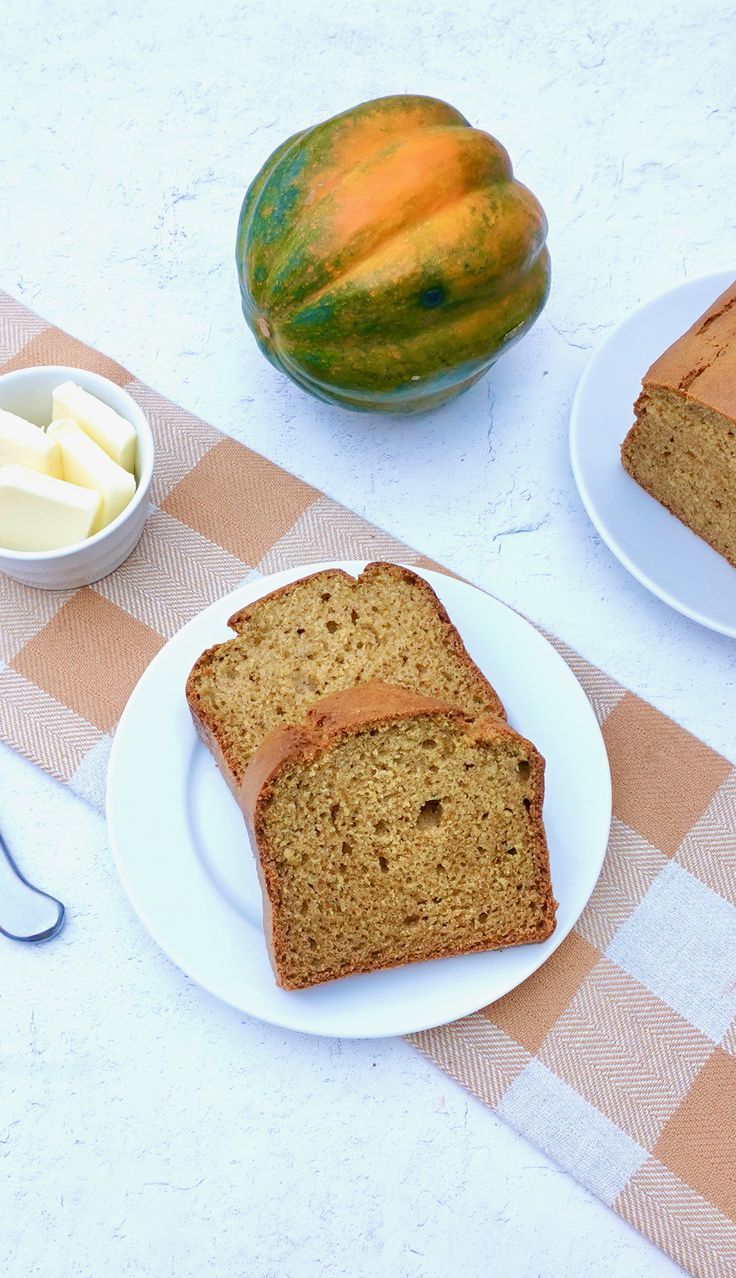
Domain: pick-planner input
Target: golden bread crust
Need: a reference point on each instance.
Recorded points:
(701, 364)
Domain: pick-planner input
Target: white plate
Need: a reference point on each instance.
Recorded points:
(182, 849)
(657, 549)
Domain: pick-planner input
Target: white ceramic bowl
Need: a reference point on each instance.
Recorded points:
(27, 392)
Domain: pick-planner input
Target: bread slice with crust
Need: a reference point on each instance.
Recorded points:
(320, 635)
(390, 828)
(682, 446)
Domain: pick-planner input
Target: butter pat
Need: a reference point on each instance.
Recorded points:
(39, 512)
(106, 427)
(27, 445)
(85, 463)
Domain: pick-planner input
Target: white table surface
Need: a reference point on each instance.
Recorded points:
(145, 1129)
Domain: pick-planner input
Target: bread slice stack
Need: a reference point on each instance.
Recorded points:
(394, 814)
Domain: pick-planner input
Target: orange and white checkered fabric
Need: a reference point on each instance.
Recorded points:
(618, 1058)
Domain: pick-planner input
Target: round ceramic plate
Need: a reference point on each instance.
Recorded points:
(657, 549)
(183, 854)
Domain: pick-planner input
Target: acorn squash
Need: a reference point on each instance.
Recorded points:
(388, 256)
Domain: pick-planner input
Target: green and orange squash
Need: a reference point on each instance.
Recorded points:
(388, 256)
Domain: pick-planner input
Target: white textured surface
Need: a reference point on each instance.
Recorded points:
(144, 1129)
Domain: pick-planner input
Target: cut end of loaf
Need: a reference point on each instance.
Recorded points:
(684, 454)
(398, 839)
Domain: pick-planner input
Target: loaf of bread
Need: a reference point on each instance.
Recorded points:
(317, 636)
(391, 828)
(682, 446)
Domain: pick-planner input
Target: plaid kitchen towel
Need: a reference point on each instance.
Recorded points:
(618, 1058)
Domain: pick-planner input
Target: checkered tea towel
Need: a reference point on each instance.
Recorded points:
(618, 1058)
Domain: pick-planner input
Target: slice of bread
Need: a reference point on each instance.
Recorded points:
(317, 636)
(682, 446)
(391, 828)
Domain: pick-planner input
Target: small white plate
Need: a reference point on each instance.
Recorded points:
(183, 854)
(657, 549)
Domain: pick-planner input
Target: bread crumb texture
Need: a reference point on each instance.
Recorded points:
(682, 446)
(402, 841)
(323, 634)
(684, 455)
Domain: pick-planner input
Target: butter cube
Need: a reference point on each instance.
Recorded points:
(85, 463)
(106, 427)
(28, 445)
(39, 512)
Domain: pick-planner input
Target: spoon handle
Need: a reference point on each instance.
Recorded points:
(26, 913)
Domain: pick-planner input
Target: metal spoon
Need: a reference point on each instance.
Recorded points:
(26, 913)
